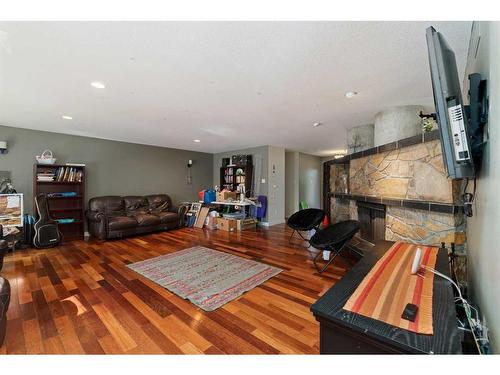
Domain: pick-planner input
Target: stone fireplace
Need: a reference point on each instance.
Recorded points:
(399, 191)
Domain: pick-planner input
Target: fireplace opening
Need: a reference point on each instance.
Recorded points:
(371, 217)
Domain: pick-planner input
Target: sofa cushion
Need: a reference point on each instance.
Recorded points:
(121, 222)
(146, 220)
(168, 217)
(136, 204)
(159, 202)
(107, 204)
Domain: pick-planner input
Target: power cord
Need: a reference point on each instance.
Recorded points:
(468, 198)
(476, 327)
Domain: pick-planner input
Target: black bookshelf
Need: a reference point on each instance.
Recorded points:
(233, 175)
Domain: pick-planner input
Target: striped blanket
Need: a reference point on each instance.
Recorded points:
(389, 286)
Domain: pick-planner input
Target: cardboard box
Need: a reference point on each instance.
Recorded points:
(223, 196)
(228, 225)
(245, 224)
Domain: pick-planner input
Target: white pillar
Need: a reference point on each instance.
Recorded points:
(397, 123)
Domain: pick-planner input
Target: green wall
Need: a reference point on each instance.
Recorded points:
(113, 168)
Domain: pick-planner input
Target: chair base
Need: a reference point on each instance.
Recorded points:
(301, 236)
(332, 258)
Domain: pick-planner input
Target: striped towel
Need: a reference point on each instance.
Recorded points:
(389, 286)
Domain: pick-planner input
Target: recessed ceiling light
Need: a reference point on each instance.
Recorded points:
(196, 140)
(67, 117)
(316, 124)
(350, 94)
(98, 85)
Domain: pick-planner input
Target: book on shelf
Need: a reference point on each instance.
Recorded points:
(46, 175)
(75, 164)
(64, 174)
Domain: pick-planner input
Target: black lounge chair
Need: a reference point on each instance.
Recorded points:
(333, 238)
(305, 220)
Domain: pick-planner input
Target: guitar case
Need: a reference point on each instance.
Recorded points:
(28, 230)
(46, 231)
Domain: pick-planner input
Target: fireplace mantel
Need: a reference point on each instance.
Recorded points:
(446, 208)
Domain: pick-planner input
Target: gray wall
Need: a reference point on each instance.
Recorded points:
(483, 234)
(276, 178)
(310, 178)
(274, 186)
(113, 168)
(260, 156)
(291, 182)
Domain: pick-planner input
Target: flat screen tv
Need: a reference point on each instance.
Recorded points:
(451, 116)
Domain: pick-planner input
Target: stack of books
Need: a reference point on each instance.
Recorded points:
(69, 174)
(46, 176)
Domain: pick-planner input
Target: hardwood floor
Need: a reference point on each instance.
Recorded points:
(81, 298)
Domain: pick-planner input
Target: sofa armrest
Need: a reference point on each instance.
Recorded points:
(4, 246)
(95, 216)
(181, 211)
(4, 293)
(98, 224)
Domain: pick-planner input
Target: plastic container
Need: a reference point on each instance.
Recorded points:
(209, 196)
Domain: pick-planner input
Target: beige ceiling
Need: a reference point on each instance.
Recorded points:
(229, 84)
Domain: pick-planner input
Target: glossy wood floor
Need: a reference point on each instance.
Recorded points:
(81, 298)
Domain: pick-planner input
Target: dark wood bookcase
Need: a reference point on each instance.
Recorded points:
(61, 207)
(229, 179)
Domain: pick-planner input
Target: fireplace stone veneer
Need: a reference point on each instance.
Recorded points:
(408, 177)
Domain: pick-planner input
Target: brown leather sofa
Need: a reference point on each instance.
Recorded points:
(3, 248)
(115, 217)
(4, 306)
(4, 291)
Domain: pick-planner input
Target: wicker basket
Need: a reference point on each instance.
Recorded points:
(46, 158)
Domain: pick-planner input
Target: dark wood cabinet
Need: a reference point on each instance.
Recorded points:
(69, 211)
(344, 332)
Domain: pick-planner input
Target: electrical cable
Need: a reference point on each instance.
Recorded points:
(473, 323)
(468, 198)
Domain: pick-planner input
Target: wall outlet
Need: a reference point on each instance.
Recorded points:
(263, 181)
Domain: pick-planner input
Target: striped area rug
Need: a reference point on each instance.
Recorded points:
(389, 286)
(206, 277)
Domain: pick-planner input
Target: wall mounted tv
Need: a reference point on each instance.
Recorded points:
(461, 128)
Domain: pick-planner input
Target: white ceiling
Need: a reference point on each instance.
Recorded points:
(230, 84)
